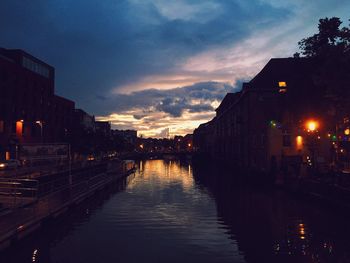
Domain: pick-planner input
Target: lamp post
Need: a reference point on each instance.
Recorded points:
(311, 127)
(40, 123)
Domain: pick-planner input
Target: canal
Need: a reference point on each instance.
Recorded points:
(172, 211)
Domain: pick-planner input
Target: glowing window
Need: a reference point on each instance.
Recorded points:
(299, 142)
(282, 90)
(282, 84)
(19, 128)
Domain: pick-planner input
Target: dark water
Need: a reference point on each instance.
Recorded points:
(180, 212)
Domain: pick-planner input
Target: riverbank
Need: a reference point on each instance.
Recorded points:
(332, 191)
(54, 198)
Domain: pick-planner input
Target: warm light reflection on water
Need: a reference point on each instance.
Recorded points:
(172, 211)
(162, 173)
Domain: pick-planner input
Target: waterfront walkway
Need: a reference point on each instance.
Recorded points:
(28, 213)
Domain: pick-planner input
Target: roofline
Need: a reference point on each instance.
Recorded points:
(25, 53)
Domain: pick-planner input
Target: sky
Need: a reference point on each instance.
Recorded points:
(158, 66)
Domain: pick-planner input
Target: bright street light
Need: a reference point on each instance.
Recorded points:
(311, 125)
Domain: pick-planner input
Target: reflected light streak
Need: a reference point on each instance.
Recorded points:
(167, 173)
(34, 256)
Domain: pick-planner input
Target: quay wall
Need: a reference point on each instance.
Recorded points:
(55, 197)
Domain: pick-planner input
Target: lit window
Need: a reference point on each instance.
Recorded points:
(282, 90)
(282, 84)
(19, 128)
(299, 142)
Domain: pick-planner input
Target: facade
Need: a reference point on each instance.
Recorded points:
(129, 136)
(84, 120)
(103, 127)
(265, 126)
(183, 143)
(63, 118)
(30, 112)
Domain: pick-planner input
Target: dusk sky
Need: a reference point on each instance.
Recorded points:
(151, 65)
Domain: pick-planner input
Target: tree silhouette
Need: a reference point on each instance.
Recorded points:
(331, 40)
(329, 52)
(330, 48)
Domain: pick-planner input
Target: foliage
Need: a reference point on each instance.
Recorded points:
(330, 51)
(331, 40)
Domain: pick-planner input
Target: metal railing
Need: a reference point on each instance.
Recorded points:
(18, 192)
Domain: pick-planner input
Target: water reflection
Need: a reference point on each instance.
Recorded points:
(164, 173)
(37, 247)
(173, 211)
(271, 225)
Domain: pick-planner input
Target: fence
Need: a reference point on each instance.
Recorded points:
(18, 192)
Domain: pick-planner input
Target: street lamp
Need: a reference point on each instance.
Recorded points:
(312, 140)
(311, 126)
(40, 123)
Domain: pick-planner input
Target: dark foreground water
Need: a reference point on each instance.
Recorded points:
(180, 212)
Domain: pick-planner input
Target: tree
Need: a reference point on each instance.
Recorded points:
(331, 40)
(330, 49)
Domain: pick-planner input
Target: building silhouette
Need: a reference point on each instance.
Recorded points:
(30, 112)
(264, 127)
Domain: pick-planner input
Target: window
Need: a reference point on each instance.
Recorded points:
(282, 90)
(1, 126)
(19, 128)
(36, 67)
(282, 84)
(286, 140)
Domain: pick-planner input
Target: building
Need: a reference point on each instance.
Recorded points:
(266, 126)
(84, 121)
(129, 136)
(30, 112)
(63, 118)
(183, 143)
(104, 127)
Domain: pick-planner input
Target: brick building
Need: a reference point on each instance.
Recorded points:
(263, 126)
(29, 110)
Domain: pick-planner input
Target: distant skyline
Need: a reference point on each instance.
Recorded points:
(154, 65)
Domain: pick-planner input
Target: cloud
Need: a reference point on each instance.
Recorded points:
(99, 46)
(128, 58)
(155, 123)
(164, 133)
(195, 98)
(180, 109)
